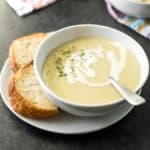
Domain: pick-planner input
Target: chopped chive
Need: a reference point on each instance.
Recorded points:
(82, 54)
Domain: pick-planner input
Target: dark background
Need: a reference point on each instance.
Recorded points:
(131, 133)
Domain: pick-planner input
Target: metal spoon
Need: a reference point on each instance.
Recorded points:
(130, 97)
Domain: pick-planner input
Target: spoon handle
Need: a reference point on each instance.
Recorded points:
(130, 96)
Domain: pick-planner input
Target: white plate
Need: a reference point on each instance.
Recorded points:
(64, 123)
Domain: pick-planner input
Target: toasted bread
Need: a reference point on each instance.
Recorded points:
(26, 97)
(22, 50)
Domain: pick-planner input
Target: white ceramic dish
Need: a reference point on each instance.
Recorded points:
(132, 8)
(73, 32)
(63, 123)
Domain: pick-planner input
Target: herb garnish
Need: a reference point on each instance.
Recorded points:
(66, 52)
(60, 60)
(82, 54)
(59, 67)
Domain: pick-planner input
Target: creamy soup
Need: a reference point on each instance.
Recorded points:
(79, 69)
(143, 1)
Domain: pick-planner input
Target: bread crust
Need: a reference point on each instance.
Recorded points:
(23, 106)
(13, 64)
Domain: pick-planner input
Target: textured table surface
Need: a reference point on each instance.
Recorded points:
(131, 133)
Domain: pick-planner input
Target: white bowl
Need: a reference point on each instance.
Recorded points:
(132, 8)
(69, 33)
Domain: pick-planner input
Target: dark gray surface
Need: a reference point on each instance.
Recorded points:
(131, 133)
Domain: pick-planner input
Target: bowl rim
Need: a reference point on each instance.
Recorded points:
(134, 2)
(66, 101)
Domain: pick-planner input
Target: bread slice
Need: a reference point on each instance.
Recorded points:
(22, 50)
(26, 97)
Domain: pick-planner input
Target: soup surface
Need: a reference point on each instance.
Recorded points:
(79, 69)
(143, 1)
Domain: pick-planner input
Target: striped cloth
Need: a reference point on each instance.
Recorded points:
(139, 25)
(24, 7)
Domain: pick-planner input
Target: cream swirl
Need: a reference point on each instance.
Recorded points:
(78, 66)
